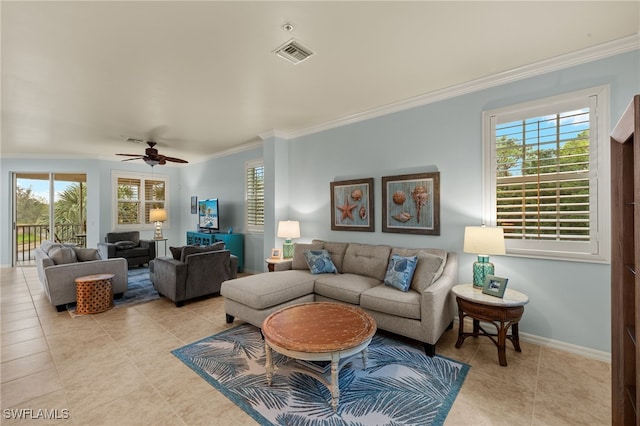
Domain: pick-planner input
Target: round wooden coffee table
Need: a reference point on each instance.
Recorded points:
(318, 331)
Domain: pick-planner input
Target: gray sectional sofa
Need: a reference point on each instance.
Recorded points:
(422, 313)
(58, 266)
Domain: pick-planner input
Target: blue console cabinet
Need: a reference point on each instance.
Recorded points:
(233, 242)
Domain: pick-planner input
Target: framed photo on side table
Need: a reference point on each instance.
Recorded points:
(495, 286)
(276, 253)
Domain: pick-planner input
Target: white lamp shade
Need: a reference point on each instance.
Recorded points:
(288, 229)
(484, 240)
(157, 215)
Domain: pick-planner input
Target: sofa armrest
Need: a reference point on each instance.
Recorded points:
(151, 245)
(107, 250)
(283, 266)
(169, 277)
(233, 263)
(438, 303)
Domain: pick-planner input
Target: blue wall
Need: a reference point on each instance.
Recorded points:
(570, 301)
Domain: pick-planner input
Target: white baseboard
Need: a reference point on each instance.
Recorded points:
(567, 347)
(557, 344)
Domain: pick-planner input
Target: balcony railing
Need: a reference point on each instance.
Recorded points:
(28, 237)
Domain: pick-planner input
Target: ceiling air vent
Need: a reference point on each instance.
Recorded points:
(293, 52)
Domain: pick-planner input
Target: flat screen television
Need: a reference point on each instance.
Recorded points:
(208, 218)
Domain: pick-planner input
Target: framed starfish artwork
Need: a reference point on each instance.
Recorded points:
(411, 203)
(352, 205)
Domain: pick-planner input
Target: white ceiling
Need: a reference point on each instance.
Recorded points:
(78, 78)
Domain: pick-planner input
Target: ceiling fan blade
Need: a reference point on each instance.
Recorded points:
(152, 157)
(175, 160)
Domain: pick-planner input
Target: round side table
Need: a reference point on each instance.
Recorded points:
(503, 313)
(94, 294)
(272, 262)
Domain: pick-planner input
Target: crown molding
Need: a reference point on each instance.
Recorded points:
(273, 134)
(557, 63)
(233, 150)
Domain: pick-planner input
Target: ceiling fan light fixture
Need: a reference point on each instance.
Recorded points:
(152, 162)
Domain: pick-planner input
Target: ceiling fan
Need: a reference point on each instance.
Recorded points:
(151, 156)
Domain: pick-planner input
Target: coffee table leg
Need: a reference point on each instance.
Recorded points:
(335, 384)
(269, 362)
(364, 353)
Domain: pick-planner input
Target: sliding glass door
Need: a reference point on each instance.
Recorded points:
(48, 206)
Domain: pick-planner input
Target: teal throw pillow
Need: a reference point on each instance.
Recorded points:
(400, 271)
(320, 262)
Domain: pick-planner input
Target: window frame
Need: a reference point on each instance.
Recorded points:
(599, 247)
(116, 175)
(252, 228)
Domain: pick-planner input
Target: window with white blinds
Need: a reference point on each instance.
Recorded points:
(254, 172)
(543, 161)
(136, 195)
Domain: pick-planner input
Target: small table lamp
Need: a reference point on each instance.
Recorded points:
(288, 229)
(158, 216)
(483, 241)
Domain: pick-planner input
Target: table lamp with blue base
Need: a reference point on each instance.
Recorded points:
(483, 241)
(288, 229)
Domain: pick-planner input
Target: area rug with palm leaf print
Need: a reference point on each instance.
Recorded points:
(400, 385)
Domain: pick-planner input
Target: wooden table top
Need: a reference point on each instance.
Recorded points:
(318, 327)
(96, 277)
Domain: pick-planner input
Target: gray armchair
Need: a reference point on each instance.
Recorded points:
(199, 271)
(129, 246)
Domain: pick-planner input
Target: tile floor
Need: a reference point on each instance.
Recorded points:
(115, 368)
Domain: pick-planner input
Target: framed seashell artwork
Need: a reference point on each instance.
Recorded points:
(411, 203)
(352, 205)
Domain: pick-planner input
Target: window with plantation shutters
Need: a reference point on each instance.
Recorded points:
(543, 160)
(129, 190)
(136, 195)
(254, 172)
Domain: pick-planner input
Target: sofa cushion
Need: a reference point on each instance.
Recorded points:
(86, 254)
(336, 250)
(53, 246)
(431, 263)
(176, 252)
(136, 252)
(400, 271)
(48, 245)
(344, 287)
(262, 291)
(187, 250)
(125, 245)
(391, 301)
(299, 261)
(320, 262)
(62, 255)
(367, 260)
(114, 237)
